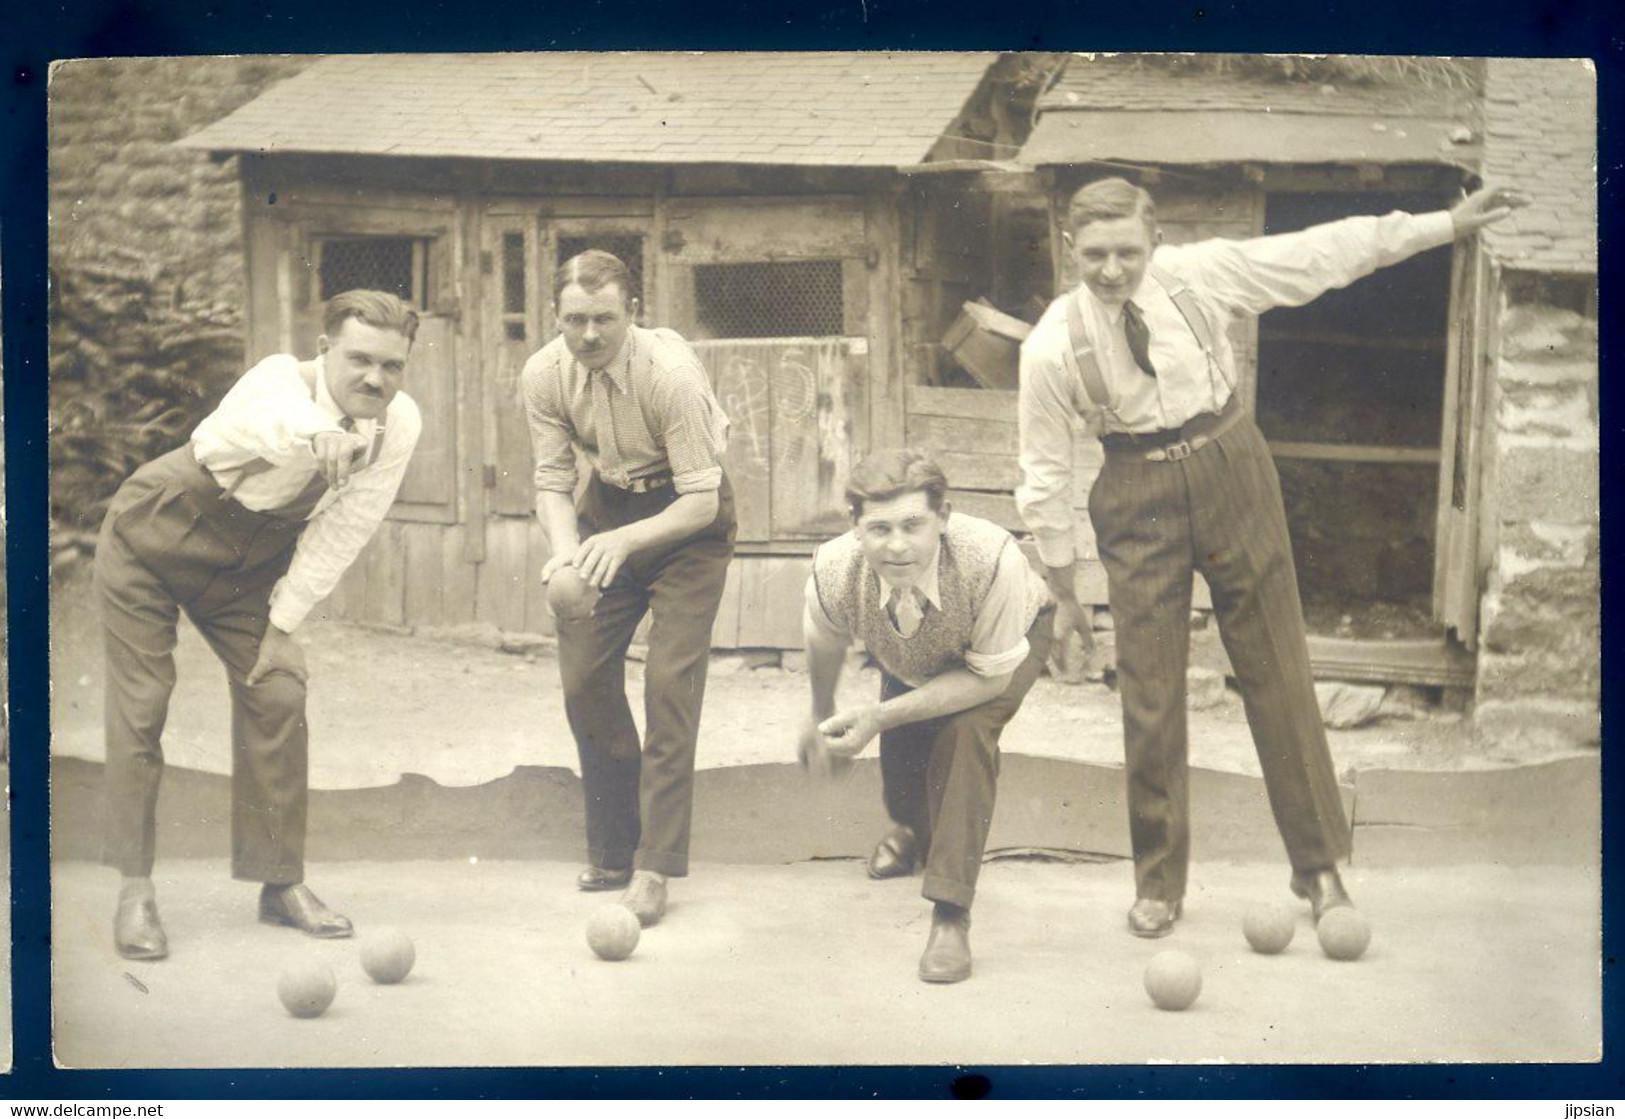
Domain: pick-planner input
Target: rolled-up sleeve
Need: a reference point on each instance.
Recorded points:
(691, 426)
(550, 434)
(1045, 419)
(817, 626)
(998, 635)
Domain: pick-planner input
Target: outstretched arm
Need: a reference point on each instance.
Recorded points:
(1291, 269)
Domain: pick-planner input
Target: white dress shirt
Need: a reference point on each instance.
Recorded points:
(270, 415)
(998, 637)
(1229, 279)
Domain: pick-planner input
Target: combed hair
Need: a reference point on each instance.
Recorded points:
(594, 270)
(1108, 200)
(893, 472)
(380, 309)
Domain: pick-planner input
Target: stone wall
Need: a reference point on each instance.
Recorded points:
(147, 266)
(1539, 668)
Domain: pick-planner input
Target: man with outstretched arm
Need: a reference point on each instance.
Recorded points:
(1139, 352)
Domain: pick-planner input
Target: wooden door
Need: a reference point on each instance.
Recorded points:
(1457, 565)
(522, 245)
(408, 251)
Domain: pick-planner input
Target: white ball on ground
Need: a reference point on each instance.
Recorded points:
(1344, 933)
(613, 932)
(1173, 979)
(388, 956)
(1269, 928)
(307, 989)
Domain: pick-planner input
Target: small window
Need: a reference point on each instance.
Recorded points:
(778, 299)
(513, 286)
(393, 264)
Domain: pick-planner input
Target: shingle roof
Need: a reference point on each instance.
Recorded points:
(1108, 107)
(831, 109)
(1540, 121)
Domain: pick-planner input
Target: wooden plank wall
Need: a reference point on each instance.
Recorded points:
(414, 575)
(417, 575)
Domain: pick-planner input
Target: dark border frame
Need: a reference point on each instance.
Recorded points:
(178, 27)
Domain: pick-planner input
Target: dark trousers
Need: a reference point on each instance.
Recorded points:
(1218, 512)
(940, 776)
(640, 797)
(173, 541)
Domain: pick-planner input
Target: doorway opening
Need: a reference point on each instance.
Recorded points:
(1351, 394)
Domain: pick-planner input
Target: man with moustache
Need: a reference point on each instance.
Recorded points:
(653, 533)
(246, 528)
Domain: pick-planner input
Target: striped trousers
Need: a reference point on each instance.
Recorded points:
(1219, 512)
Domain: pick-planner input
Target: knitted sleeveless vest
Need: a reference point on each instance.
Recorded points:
(854, 597)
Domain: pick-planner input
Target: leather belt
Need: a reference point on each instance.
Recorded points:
(1174, 444)
(644, 484)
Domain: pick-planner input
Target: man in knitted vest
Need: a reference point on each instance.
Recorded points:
(960, 625)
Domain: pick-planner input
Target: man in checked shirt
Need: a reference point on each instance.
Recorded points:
(654, 531)
(1139, 352)
(246, 528)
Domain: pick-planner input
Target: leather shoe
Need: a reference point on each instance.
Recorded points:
(1322, 888)
(1153, 917)
(947, 952)
(137, 932)
(646, 898)
(596, 878)
(896, 853)
(296, 906)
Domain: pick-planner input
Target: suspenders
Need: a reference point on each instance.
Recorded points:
(1190, 308)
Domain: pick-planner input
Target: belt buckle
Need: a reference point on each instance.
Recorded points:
(1175, 452)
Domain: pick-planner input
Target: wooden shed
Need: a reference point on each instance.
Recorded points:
(763, 205)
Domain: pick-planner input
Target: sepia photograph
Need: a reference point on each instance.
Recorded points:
(806, 559)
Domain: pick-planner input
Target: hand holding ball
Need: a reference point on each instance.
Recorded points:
(570, 596)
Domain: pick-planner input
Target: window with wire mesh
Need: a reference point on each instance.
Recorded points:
(393, 264)
(626, 246)
(770, 299)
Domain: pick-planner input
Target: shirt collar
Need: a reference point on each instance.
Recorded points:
(619, 368)
(930, 584)
(1114, 315)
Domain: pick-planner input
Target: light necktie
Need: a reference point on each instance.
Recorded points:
(609, 452)
(1139, 337)
(907, 610)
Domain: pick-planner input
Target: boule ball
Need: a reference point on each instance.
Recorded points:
(613, 931)
(1344, 933)
(1269, 928)
(307, 989)
(569, 595)
(388, 956)
(1173, 979)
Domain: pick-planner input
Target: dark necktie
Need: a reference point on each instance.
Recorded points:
(1139, 337)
